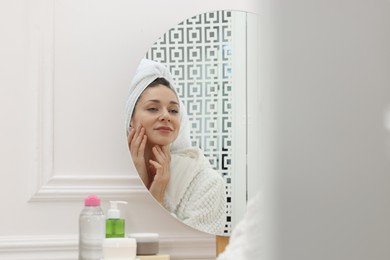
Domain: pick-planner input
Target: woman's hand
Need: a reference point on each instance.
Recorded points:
(162, 171)
(137, 142)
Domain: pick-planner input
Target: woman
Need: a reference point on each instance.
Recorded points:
(177, 175)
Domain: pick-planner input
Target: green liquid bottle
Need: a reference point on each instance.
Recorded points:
(115, 226)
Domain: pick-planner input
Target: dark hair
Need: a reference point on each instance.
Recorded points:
(156, 82)
(159, 81)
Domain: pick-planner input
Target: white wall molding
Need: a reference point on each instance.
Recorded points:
(39, 247)
(46, 183)
(66, 247)
(77, 187)
(41, 15)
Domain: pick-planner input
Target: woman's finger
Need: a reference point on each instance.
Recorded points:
(139, 133)
(156, 165)
(167, 152)
(142, 146)
(130, 136)
(138, 140)
(159, 154)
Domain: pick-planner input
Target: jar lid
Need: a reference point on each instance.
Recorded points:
(144, 237)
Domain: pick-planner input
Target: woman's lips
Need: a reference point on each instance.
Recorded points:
(164, 128)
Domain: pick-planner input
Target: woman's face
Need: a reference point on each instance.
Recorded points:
(157, 110)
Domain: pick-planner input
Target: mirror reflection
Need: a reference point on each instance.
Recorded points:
(177, 175)
(186, 120)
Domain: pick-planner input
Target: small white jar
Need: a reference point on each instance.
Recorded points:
(119, 248)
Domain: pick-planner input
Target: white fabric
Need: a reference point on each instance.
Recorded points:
(244, 242)
(145, 74)
(196, 192)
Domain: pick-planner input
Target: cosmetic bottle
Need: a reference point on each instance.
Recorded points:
(115, 226)
(91, 229)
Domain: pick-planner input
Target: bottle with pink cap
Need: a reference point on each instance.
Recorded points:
(92, 229)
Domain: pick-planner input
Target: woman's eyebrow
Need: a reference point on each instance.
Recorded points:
(158, 101)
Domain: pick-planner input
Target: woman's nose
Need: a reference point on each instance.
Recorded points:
(165, 116)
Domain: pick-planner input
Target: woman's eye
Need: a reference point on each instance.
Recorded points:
(174, 111)
(152, 109)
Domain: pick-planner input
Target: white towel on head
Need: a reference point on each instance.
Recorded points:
(145, 74)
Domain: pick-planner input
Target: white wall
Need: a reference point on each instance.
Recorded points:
(65, 67)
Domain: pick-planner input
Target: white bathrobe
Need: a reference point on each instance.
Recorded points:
(196, 192)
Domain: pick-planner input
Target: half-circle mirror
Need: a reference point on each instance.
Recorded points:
(208, 57)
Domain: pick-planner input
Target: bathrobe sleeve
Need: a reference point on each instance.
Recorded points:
(203, 204)
(196, 192)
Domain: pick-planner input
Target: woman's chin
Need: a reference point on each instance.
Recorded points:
(162, 142)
